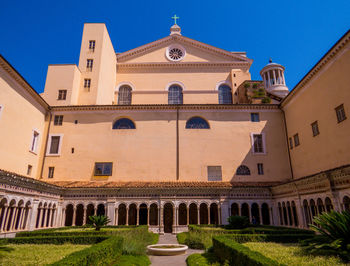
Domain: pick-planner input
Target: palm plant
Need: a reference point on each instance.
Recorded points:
(333, 236)
(99, 221)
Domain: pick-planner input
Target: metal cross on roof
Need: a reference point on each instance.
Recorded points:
(175, 18)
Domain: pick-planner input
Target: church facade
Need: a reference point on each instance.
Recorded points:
(173, 133)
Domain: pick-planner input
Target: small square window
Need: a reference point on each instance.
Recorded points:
(254, 117)
(29, 169)
(290, 143)
(314, 127)
(87, 84)
(35, 141)
(51, 172)
(260, 169)
(89, 64)
(214, 173)
(62, 94)
(296, 140)
(340, 112)
(92, 45)
(103, 169)
(58, 120)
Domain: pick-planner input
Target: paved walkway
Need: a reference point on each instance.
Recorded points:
(178, 260)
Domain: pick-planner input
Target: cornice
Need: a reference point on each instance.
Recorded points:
(326, 59)
(165, 107)
(4, 64)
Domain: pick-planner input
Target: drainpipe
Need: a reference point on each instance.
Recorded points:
(46, 141)
(288, 148)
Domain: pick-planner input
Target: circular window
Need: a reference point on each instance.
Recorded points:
(175, 53)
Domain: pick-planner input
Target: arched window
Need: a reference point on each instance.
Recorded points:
(243, 170)
(123, 123)
(225, 94)
(197, 122)
(124, 95)
(175, 94)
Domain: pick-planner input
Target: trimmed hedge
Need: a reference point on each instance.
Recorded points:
(57, 240)
(226, 249)
(127, 260)
(250, 230)
(103, 253)
(281, 238)
(197, 260)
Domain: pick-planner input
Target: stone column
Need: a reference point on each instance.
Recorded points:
(41, 211)
(188, 214)
(127, 215)
(137, 215)
(53, 214)
(260, 214)
(21, 217)
(74, 215)
(110, 210)
(268, 79)
(116, 216)
(198, 215)
(8, 216)
(176, 220)
(14, 219)
(4, 218)
(50, 218)
(209, 214)
(274, 76)
(219, 213)
(33, 214)
(63, 220)
(45, 216)
(271, 216)
(84, 215)
(148, 212)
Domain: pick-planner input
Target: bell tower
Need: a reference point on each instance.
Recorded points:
(273, 77)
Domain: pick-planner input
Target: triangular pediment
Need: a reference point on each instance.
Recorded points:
(196, 52)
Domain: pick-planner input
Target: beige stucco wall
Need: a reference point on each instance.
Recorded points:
(316, 101)
(148, 153)
(20, 114)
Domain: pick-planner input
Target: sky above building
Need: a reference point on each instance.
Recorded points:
(295, 34)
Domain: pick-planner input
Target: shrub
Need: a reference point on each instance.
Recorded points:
(334, 235)
(266, 100)
(57, 240)
(102, 253)
(238, 222)
(255, 85)
(127, 260)
(226, 249)
(99, 221)
(246, 85)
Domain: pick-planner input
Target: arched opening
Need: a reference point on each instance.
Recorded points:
(265, 214)
(39, 214)
(182, 214)
(193, 213)
(306, 212)
(101, 210)
(313, 209)
(122, 214)
(289, 210)
(329, 205)
(197, 122)
(234, 209)
(168, 218)
(285, 216)
(320, 206)
(90, 211)
(124, 123)
(132, 214)
(124, 95)
(26, 215)
(143, 213)
(245, 210)
(295, 215)
(280, 213)
(203, 213)
(153, 214)
(3, 204)
(243, 170)
(79, 216)
(255, 214)
(225, 94)
(19, 213)
(175, 95)
(44, 215)
(346, 203)
(214, 214)
(69, 215)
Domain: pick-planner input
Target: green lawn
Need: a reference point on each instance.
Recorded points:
(26, 254)
(291, 254)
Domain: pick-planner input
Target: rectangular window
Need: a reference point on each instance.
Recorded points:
(296, 140)
(89, 64)
(315, 130)
(258, 144)
(51, 171)
(254, 117)
(92, 46)
(103, 169)
(29, 169)
(290, 143)
(214, 173)
(54, 145)
(340, 112)
(35, 141)
(260, 169)
(62, 94)
(87, 84)
(58, 120)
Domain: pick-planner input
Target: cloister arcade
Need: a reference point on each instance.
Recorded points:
(258, 214)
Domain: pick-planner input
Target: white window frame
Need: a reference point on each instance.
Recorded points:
(49, 145)
(252, 143)
(36, 144)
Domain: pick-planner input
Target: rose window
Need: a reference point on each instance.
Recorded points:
(175, 54)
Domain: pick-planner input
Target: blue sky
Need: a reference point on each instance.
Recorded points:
(295, 34)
